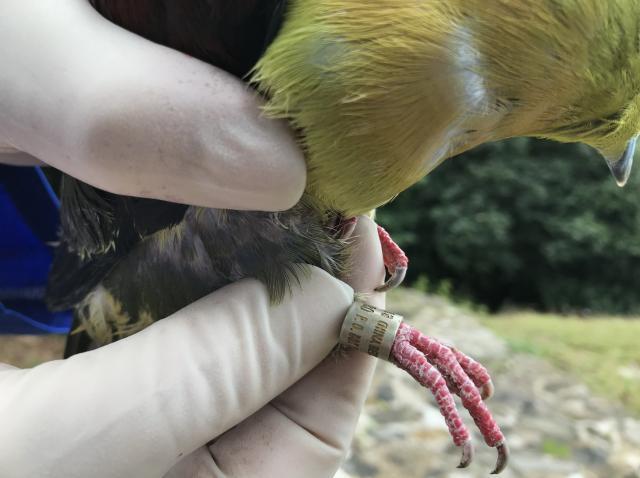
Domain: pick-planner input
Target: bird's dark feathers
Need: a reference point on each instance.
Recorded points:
(208, 249)
(97, 229)
(101, 220)
(125, 262)
(231, 34)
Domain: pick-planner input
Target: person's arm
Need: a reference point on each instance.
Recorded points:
(135, 118)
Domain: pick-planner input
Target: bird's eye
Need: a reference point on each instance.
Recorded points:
(615, 117)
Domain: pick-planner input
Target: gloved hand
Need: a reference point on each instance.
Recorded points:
(132, 117)
(147, 405)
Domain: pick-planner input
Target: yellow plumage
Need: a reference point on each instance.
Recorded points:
(390, 88)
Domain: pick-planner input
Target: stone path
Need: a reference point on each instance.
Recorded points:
(556, 428)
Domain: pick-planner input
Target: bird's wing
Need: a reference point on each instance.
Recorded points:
(98, 229)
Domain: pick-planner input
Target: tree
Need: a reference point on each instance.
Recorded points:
(524, 221)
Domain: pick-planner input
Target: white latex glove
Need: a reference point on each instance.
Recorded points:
(135, 118)
(139, 406)
(132, 117)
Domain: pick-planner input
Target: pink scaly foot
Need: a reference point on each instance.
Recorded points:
(408, 358)
(476, 372)
(395, 260)
(444, 370)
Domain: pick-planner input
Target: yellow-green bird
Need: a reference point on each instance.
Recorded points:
(385, 90)
(381, 92)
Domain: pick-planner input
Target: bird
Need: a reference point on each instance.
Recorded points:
(380, 93)
(440, 77)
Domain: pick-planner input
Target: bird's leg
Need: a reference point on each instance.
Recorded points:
(395, 260)
(444, 371)
(409, 358)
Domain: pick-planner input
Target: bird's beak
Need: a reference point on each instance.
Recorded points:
(621, 167)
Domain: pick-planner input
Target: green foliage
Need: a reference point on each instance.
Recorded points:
(524, 222)
(421, 284)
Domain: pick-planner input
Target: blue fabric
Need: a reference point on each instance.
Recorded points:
(28, 228)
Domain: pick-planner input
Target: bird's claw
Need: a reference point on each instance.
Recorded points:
(446, 371)
(394, 281)
(503, 458)
(487, 390)
(395, 260)
(467, 455)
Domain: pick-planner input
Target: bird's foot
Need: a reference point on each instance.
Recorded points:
(395, 260)
(446, 371)
(346, 227)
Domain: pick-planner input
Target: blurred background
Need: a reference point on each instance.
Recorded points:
(526, 255)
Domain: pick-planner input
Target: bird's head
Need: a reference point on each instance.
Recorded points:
(581, 70)
(614, 133)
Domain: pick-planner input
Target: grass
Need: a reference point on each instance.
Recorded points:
(556, 449)
(604, 352)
